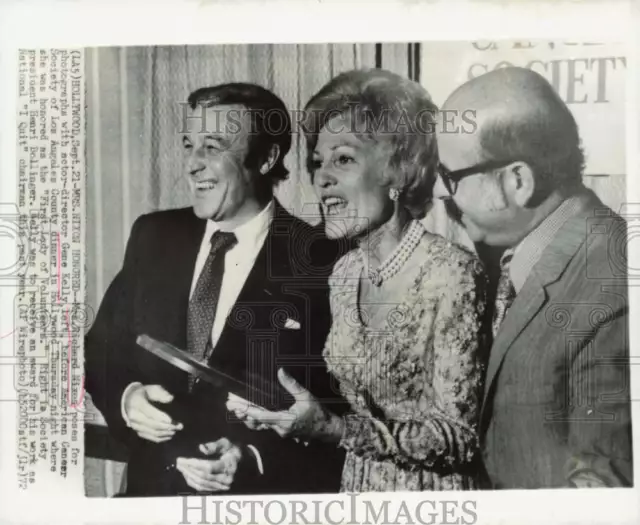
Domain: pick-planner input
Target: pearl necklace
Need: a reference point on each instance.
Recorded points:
(394, 263)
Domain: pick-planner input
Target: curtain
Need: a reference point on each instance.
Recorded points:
(133, 114)
(133, 148)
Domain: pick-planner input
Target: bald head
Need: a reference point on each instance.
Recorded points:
(519, 116)
(504, 89)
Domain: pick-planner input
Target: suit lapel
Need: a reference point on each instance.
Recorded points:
(186, 257)
(524, 308)
(533, 295)
(168, 298)
(260, 288)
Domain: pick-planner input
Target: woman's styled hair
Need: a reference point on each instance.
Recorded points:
(392, 111)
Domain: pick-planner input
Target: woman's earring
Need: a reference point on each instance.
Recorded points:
(394, 194)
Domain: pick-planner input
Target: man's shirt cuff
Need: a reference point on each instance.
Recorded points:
(258, 457)
(126, 392)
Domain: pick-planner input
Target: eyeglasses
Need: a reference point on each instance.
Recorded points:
(451, 179)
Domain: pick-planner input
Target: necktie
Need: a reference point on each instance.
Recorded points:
(505, 293)
(204, 301)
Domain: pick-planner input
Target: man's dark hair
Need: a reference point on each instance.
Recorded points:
(270, 120)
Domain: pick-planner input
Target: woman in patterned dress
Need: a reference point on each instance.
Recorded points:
(408, 306)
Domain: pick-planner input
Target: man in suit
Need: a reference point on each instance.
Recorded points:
(239, 283)
(556, 409)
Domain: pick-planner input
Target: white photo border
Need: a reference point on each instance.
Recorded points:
(74, 24)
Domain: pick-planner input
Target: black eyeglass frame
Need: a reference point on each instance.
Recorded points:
(451, 179)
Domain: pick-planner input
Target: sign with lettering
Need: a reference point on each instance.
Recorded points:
(590, 78)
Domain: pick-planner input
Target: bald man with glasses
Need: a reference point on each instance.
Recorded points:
(556, 409)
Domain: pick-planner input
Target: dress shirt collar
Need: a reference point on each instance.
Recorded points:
(251, 232)
(530, 249)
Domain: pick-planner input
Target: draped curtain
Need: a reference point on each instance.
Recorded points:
(133, 118)
(133, 146)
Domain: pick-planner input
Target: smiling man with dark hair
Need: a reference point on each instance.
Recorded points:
(242, 286)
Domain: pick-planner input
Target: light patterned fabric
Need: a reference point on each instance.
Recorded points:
(414, 379)
(505, 293)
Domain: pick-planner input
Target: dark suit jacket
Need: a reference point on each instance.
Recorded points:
(150, 296)
(557, 386)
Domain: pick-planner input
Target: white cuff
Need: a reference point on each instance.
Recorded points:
(258, 457)
(126, 392)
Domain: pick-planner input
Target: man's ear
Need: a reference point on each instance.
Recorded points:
(270, 161)
(519, 183)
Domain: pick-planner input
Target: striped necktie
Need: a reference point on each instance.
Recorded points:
(204, 301)
(505, 293)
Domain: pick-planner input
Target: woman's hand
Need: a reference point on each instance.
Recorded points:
(306, 419)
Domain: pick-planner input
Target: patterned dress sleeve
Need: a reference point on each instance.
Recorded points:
(444, 434)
